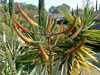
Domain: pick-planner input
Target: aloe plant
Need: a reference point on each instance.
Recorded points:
(63, 52)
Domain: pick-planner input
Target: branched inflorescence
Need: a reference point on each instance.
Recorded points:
(48, 35)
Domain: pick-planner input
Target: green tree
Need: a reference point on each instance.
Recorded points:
(99, 6)
(11, 7)
(77, 10)
(55, 10)
(72, 12)
(41, 11)
(96, 5)
(86, 3)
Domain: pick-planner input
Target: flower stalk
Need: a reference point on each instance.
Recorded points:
(51, 58)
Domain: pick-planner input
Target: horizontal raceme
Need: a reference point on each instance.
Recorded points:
(75, 49)
(44, 55)
(24, 38)
(77, 32)
(26, 16)
(70, 28)
(23, 28)
(50, 21)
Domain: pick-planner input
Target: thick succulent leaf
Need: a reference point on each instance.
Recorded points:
(81, 55)
(20, 72)
(33, 71)
(36, 70)
(84, 65)
(54, 23)
(63, 70)
(2, 53)
(89, 50)
(89, 17)
(67, 15)
(45, 72)
(56, 67)
(92, 36)
(89, 55)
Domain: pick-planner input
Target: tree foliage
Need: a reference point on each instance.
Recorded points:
(11, 7)
(54, 9)
(41, 11)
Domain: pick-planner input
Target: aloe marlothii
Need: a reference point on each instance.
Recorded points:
(74, 49)
(53, 51)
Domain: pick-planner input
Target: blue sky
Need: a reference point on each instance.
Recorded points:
(49, 3)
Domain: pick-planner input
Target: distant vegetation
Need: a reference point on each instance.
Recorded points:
(55, 10)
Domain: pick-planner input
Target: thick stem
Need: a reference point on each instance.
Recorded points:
(51, 61)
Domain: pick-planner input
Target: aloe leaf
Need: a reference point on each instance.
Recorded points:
(56, 67)
(53, 25)
(45, 71)
(89, 55)
(1, 73)
(63, 71)
(37, 71)
(33, 71)
(20, 72)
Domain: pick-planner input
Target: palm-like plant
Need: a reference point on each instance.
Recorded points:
(58, 50)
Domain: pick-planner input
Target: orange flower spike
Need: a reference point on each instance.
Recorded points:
(23, 28)
(77, 32)
(27, 40)
(44, 55)
(75, 49)
(26, 17)
(61, 30)
(49, 27)
(71, 28)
